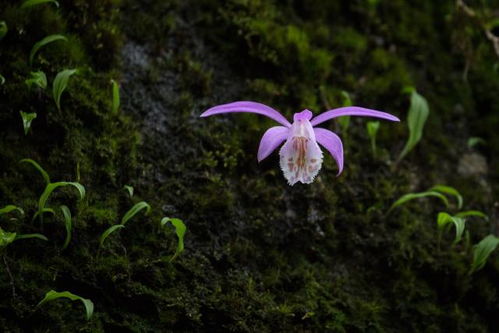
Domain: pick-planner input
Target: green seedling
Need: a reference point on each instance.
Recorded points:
(68, 224)
(128, 215)
(37, 166)
(482, 251)
(180, 229)
(444, 219)
(108, 232)
(10, 208)
(38, 79)
(27, 120)
(416, 119)
(411, 196)
(134, 210)
(372, 130)
(116, 97)
(53, 295)
(32, 3)
(3, 29)
(7, 238)
(129, 189)
(60, 84)
(47, 40)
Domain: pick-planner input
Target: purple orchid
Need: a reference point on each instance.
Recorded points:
(300, 156)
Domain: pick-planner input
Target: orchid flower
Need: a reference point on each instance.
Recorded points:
(300, 156)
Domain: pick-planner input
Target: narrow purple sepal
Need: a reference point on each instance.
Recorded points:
(351, 111)
(272, 139)
(247, 106)
(332, 143)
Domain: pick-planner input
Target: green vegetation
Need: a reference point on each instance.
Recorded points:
(27, 119)
(53, 295)
(180, 229)
(45, 41)
(416, 120)
(60, 84)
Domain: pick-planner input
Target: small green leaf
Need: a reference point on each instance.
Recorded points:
(6, 238)
(444, 219)
(416, 119)
(345, 120)
(134, 210)
(53, 295)
(411, 196)
(51, 187)
(43, 211)
(9, 208)
(2, 80)
(37, 166)
(129, 189)
(68, 224)
(180, 229)
(482, 251)
(26, 236)
(3, 29)
(47, 40)
(116, 97)
(31, 3)
(472, 213)
(474, 141)
(38, 79)
(372, 129)
(60, 84)
(27, 119)
(109, 231)
(451, 191)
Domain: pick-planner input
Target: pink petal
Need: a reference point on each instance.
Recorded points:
(351, 111)
(246, 106)
(332, 143)
(272, 139)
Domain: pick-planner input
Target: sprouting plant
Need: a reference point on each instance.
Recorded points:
(482, 251)
(450, 191)
(27, 119)
(60, 84)
(38, 79)
(116, 97)
(129, 189)
(372, 129)
(49, 188)
(180, 229)
(3, 29)
(2, 80)
(345, 121)
(7, 238)
(53, 295)
(444, 219)
(37, 166)
(128, 215)
(474, 141)
(416, 119)
(411, 196)
(300, 156)
(68, 224)
(10, 208)
(31, 3)
(108, 232)
(134, 210)
(47, 40)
